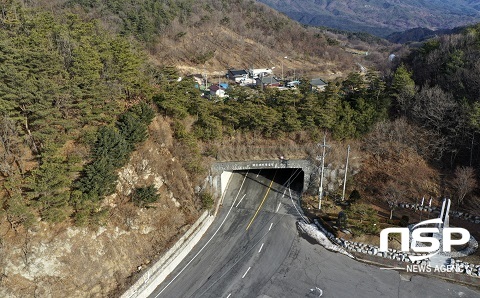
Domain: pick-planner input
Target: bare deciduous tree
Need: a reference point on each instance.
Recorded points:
(393, 193)
(464, 182)
(437, 111)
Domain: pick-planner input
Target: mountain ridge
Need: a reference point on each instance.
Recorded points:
(380, 18)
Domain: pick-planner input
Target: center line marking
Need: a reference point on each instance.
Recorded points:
(270, 226)
(261, 204)
(279, 204)
(246, 272)
(261, 248)
(229, 295)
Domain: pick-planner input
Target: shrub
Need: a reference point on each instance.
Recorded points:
(142, 196)
(342, 220)
(207, 200)
(366, 220)
(354, 196)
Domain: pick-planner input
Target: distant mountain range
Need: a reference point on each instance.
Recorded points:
(381, 17)
(420, 34)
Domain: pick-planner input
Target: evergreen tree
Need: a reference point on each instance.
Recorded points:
(110, 152)
(132, 129)
(402, 89)
(142, 196)
(49, 186)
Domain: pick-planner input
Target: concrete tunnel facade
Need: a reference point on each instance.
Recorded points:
(222, 171)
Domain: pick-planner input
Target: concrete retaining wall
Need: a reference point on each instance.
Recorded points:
(155, 275)
(224, 180)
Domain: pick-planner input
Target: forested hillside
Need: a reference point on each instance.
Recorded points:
(76, 99)
(434, 117)
(420, 34)
(447, 75)
(61, 80)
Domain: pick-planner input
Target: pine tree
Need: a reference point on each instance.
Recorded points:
(402, 89)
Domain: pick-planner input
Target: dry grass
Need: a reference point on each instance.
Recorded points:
(252, 146)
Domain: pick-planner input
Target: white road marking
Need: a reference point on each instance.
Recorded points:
(258, 173)
(246, 272)
(234, 264)
(284, 193)
(241, 200)
(201, 249)
(229, 295)
(236, 197)
(279, 204)
(270, 226)
(261, 248)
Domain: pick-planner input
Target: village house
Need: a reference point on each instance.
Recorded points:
(268, 82)
(318, 84)
(217, 90)
(237, 75)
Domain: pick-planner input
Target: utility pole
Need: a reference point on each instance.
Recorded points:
(322, 166)
(346, 170)
(205, 76)
(260, 78)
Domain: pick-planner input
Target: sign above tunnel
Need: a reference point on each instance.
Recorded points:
(262, 164)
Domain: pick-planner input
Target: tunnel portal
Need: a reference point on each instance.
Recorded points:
(298, 171)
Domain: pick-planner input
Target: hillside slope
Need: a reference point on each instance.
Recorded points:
(380, 17)
(211, 35)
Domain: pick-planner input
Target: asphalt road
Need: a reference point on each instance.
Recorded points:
(253, 249)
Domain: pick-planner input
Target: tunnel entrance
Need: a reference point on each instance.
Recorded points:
(299, 171)
(290, 177)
